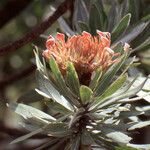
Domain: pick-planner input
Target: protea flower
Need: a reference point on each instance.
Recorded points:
(86, 52)
(87, 90)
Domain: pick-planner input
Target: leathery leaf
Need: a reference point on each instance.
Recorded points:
(85, 94)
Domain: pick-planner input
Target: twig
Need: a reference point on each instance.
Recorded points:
(29, 37)
(12, 9)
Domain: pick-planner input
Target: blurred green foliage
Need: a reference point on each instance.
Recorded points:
(21, 59)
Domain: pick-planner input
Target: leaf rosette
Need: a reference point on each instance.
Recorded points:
(84, 82)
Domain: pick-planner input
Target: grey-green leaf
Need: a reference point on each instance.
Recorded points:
(86, 138)
(102, 17)
(75, 143)
(120, 27)
(29, 112)
(83, 26)
(119, 137)
(47, 88)
(140, 125)
(65, 27)
(58, 107)
(143, 46)
(57, 129)
(72, 78)
(107, 77)
(60, 81)
(94, 20)
(80, 13)
(24, 137)
(133, 33)
(57, 74)
(116, 85)
(95, 78)
(140, 146)
(47, 144)
(85, 94)
(129, 93)
(39, 65)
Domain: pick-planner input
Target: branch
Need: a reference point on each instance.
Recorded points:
(17, 76)
(34, 34)
(12, 9)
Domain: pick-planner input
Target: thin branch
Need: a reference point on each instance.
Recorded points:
(12, 9)
(34, 34)
(17, 76)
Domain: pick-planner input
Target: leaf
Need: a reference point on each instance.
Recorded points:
(134, 6)
(75, 143)
(86, 138)
(57, 145)
(85, 94)
(133, 33)
(30, 97)
(106, 128)
(146, 18)
(47, 87)
(58, 107)
(39, 65)
(57, 74)
(31, 125)
(120, 27)
(57, 129)
(72, 78)
(47, 144)
(119, 137)
(116, 85)
(102, 15)
(144, 93)
(128, 86)
(95, 78)
(124, 148)
(134, 90)
(143, 46)
(65, 27)
(108, 76)
(129, 93)
(29, 112)
(44, 94)
(118, 48)
(80, 13)
(24, 137)
(83, 26)
(112, 16)
(103, 142)
(126, 114)
(123, 8)
(139, 125)
(68, 146)
(61, 83)
(140, 146)
(94, 19)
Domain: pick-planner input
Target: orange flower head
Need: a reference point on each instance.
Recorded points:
(85, 51)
